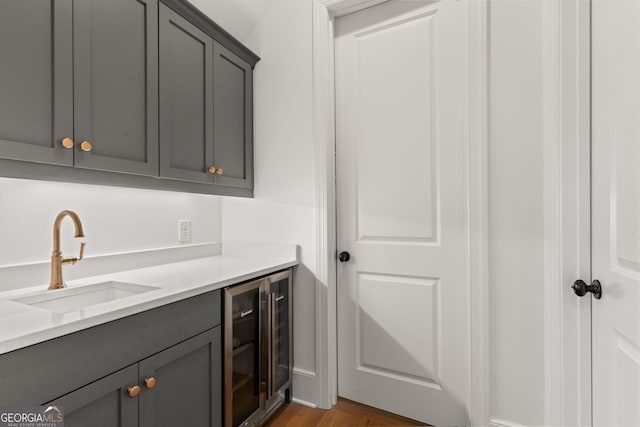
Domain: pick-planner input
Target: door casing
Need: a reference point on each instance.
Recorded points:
(567, 210)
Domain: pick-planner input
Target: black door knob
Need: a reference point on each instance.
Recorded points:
(344, 256)
(581, 288)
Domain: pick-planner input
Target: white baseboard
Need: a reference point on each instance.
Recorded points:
(304, 387)
(303, 403)
(496, 422)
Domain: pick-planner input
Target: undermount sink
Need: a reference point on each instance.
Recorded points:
(75, 298)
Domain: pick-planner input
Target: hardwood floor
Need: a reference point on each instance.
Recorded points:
(345, 414)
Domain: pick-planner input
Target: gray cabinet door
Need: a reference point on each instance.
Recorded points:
(36, 80)
(188, 387)
(116, 85)
(103, 403)
(233, 118)
(186, 99)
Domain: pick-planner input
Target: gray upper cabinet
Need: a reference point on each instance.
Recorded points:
(186, 99)
(135, 93)
(86, 70)
(115, 85)
(36, 80)
(233, 118)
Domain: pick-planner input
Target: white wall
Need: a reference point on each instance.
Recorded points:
(115, 220)
(238, 17)
(283, 209)
(516, 212)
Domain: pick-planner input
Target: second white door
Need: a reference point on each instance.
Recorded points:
(402, 79)
(616, 211)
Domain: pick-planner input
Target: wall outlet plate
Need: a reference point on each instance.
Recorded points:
(184, 230)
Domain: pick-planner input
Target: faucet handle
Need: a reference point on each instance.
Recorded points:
(73, 261)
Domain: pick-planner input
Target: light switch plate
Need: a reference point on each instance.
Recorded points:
(184, 230)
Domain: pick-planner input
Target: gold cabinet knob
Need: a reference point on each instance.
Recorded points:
(150, 382)
(133, 391)
(67, 142)
(215, 171)
(86, 146)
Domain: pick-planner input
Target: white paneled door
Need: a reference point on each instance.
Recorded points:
(616, 211)
(402, 79)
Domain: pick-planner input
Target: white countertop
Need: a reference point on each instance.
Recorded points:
(22, 325)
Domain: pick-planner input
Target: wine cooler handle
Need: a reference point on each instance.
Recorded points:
(272, 338)
(268, 347)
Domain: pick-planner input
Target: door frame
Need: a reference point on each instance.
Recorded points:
(566, 55)
(324, 13)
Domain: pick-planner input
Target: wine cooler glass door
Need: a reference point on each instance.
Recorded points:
(243, 353)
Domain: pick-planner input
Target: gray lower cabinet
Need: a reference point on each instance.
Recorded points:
(186, 390)
(103, 403)
(89, 372)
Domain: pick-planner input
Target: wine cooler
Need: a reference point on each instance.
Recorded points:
(258, 350)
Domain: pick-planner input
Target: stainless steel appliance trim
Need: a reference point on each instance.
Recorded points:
(279, 276)
(240, 289)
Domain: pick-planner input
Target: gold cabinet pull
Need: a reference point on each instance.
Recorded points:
(133, 391)
(219, 171)
(86, 146)
(67, 142)
(150, 382)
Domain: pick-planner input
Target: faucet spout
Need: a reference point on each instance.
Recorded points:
(56, 256)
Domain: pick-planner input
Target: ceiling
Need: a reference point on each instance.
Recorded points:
(238, 17)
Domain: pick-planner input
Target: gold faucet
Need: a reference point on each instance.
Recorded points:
(57, 261)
